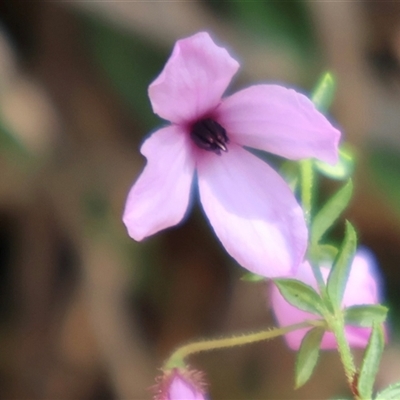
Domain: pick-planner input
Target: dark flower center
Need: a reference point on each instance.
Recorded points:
(209, 135)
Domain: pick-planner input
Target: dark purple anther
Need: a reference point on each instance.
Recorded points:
(209, 135)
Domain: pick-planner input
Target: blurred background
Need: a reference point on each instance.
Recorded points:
(87, 313)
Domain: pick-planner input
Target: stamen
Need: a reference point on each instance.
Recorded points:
(209, 135)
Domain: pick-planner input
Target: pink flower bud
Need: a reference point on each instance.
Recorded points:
(180, 384)
(362, 288)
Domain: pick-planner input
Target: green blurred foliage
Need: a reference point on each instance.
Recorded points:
(11, 146)
(384, 163)
(281, 22)
(128, 62)
(384, 169)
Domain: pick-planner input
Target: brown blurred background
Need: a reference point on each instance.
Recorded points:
(87, 313)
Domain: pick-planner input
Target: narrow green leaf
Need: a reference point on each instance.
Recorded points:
(365, 315)
(392, 392)
(250, 277)
(307, 357)
(342, 170)
(339, 274)
(370, 364)
(330, 212)
(300, 295)
(324, 92)
(326, 253)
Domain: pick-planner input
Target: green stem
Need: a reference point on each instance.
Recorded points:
(177, 358)
(319, 278)
(345, 352)
(306, 184)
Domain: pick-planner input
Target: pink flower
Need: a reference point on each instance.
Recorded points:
(180, 384)
(251, 208)
(362, 288)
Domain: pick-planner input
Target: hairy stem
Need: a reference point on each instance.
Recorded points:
(177, 358)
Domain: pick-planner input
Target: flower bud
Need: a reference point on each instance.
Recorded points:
(362, 288)
(180, 384)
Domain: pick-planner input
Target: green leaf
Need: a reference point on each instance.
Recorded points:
(300, 295)
(324, 92)
(307, 356)
(370, 364)
(250, 277)
(339, 274)
(365, 315)
(342, 170)
(324, 254)
(392, 392)
(330, 212)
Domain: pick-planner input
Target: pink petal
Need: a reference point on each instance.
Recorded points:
(160, 197)
(181, 389)
(193, 80)
(253, 212)
(361, 289)
(364, 278)
(280, 121)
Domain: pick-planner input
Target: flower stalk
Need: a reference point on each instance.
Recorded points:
(345, 353)
(307, 182)
(177, 358)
